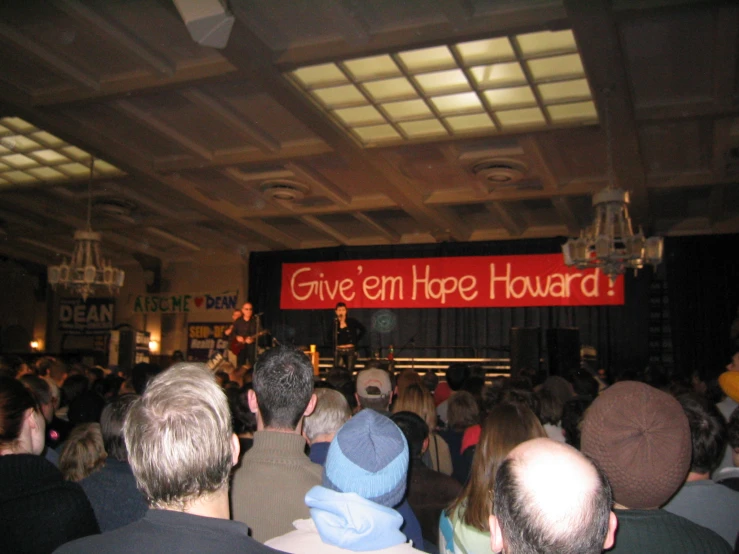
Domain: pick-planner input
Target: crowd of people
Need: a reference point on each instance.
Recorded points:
(188, 460)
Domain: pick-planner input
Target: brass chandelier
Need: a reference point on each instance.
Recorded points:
(610, 244)
(87, 271)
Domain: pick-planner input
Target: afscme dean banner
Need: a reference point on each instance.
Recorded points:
(175, 303)
(451, 282)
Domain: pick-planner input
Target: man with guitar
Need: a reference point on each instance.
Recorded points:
(247, 331)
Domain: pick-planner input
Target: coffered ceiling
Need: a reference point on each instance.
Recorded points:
(348, 122)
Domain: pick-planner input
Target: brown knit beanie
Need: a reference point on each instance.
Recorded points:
(640, 437)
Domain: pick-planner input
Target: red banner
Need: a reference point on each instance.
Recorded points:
(464, 282)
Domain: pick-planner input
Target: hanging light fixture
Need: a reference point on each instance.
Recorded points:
(610, 244)
(86, 272)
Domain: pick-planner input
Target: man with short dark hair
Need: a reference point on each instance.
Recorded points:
(181, 448)
(112, 489)
(270, 486)
(429, 491)
(700, 499)
(549, 498)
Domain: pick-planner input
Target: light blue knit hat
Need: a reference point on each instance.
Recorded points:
(368, 456)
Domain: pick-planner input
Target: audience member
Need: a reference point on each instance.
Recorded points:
(364, 477)
(456, 374)
(464, 526)
(572, 413)
(181, 449)
(701, 500)
(406, 378)
(269, 488)
(729, 476)
(463, 412)
(640, 437)
(418, 400)
(144, 372)
(243, 420)
(430, 380)
(331, 412)
(553, 394)
(429, 491)
(39, 510)
(42, 391)
(374, 390)
(550, 499)
(112, 490)
(585, 384)
(83, 452)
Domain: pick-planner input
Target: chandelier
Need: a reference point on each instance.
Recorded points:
(610, 244)
(87, 271)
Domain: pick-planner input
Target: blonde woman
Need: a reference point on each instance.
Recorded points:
(415, 398)
(83, 452)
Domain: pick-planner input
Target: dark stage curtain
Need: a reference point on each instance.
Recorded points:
(620, 333)
(703, 292)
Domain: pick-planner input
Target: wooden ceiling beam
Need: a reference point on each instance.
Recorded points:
(200, 72)
(315, 223)
(122, 37)
(585, 187)
(226, 115)
(384, 230)
(352, 27)
(330, 189)
(567, 214)
(246, 155)
(597, 38)
(48, 58)
(148, 120)
(513, 222)
(544, 14)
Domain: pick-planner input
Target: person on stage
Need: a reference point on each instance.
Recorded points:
(233, 345)
(346, 336)
(247, 329)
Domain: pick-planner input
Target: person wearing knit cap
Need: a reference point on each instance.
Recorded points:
(364, 477)
(640, 437)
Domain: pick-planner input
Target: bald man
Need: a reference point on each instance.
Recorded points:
(549, 498)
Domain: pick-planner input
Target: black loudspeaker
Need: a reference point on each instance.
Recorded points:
(525, 350)
(563, 346)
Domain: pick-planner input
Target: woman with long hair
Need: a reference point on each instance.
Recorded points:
(39, 511)
(415, 398)
(464, 525)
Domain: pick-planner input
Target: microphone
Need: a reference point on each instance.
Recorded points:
(260, 313)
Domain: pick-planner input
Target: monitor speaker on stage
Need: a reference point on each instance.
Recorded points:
(563, 346)
(525, 350)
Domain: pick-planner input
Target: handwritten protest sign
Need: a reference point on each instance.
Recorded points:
(454, 282)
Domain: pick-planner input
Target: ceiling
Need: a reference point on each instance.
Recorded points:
(233, 150)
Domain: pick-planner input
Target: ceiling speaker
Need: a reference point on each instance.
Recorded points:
(499, 171)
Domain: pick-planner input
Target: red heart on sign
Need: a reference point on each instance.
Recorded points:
(199, 301)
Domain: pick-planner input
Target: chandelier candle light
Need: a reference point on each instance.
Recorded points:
(86, 272)
(610, 243)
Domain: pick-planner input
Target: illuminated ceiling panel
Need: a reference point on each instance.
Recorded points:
(528, 81)
(30, 156)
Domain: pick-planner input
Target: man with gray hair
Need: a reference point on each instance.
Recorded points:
(112, 489)
(181, 449)
(332, 411)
